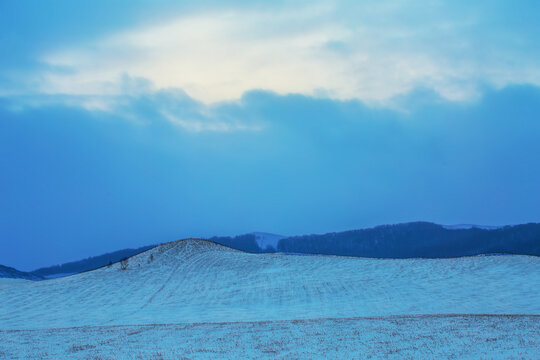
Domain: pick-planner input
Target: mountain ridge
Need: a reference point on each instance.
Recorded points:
(404, 240)
(8, 272)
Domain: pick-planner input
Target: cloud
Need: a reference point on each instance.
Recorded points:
(373, 52)
(138, 104)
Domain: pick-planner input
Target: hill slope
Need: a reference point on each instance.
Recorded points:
(199, 281)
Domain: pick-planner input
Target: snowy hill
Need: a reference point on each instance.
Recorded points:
(267, 241)
(407, 240)
(195, 281)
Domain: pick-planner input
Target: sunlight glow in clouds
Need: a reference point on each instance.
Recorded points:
(315, 50)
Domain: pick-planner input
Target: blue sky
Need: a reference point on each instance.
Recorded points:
(128, 123)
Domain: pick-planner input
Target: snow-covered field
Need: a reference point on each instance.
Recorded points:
(216, 299)
(267, 241)
(417, 337)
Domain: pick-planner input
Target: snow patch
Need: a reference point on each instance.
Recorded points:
(267, 240)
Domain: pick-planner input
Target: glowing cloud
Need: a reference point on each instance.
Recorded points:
(317, 51)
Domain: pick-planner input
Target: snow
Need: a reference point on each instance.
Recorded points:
(204, 284)
(424, 337)
(58, 275)
(6, 282)
(267, 240)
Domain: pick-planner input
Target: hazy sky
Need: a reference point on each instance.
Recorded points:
(126, 123)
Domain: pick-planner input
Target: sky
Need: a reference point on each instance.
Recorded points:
(128, 123)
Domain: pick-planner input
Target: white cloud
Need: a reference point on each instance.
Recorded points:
(207, 124)
(369, 52)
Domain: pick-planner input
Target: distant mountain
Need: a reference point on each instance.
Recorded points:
(408, 240)
(246, 242)
(470, 226)
(267, 241)
(255, 242)
(87, 264)
(11, 273)
(419, 239)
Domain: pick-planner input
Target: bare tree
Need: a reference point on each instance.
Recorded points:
(124, 264)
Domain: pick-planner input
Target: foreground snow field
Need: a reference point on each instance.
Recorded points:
(203, 284)
(417, 337)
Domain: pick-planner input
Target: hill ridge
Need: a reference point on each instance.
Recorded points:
(196, 280)
(419, 239)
